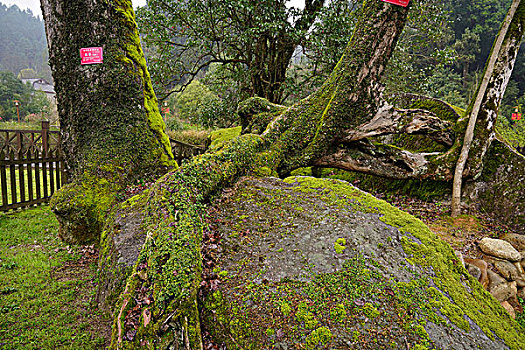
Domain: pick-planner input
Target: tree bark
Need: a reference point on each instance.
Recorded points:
(497, 74)
(111, 130)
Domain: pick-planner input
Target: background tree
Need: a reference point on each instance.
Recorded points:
(254, 40)
(11, 89)
(111, 129)
(22, 42)
(490, 92)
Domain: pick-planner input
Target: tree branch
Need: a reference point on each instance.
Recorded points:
(380, 160)
(408, 121)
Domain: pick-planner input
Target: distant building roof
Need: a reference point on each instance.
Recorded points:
(40, 85)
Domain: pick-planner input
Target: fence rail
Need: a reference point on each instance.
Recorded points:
(184, 151)
(30, 140)
(31, 167)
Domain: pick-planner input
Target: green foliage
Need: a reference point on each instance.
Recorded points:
(444, 47)
(45, 303)
(513, 132)
(197, 104)
(520, 316)
(254, 41)
(11, 89)
(480, 17)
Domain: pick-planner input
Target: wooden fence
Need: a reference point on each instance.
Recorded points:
(31, 166)
(184, 151)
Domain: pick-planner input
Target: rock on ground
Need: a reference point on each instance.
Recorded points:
(322, 265)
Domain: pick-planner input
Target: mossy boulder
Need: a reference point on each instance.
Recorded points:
(500, 189)
(322, 264)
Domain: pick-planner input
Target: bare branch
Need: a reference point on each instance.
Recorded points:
(379, 160)
(409, 121)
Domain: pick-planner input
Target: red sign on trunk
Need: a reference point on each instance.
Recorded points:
(91, 55)
(403, 3)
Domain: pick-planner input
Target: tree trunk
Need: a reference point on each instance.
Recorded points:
(488, 97)
(167, 275)
(111, 130)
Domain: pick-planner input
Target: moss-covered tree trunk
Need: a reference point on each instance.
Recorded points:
(157, 308)
(112, 132)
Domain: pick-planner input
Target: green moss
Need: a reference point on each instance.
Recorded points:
(81, 208)
(285, 308)
(422, 189)
(219, 137)
(304, 315)
(302, 172)
(256, 113)
(135, 56)
(320, 336)
(441, 109)
(371, 311)
(263, 172)
(340, 245)
(338, 313)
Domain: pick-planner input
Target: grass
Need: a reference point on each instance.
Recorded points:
(15, 125)
(26, 181)
(47, 289)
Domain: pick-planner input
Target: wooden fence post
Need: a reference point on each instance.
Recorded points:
(3, 178)
(45, 137)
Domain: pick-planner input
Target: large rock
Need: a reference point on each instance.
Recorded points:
(482, 266)
(507, 270)
(318, 264)
(517, 240)
(494, 279)
(474, 271)
(504, 291)
(499, 248)
(509, 308)
(499, 191)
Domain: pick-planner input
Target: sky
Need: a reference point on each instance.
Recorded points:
(34, 5)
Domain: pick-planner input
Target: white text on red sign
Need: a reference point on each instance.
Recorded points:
(91, 55)
(403, 3)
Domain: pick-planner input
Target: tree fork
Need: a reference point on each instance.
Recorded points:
(169, 262)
